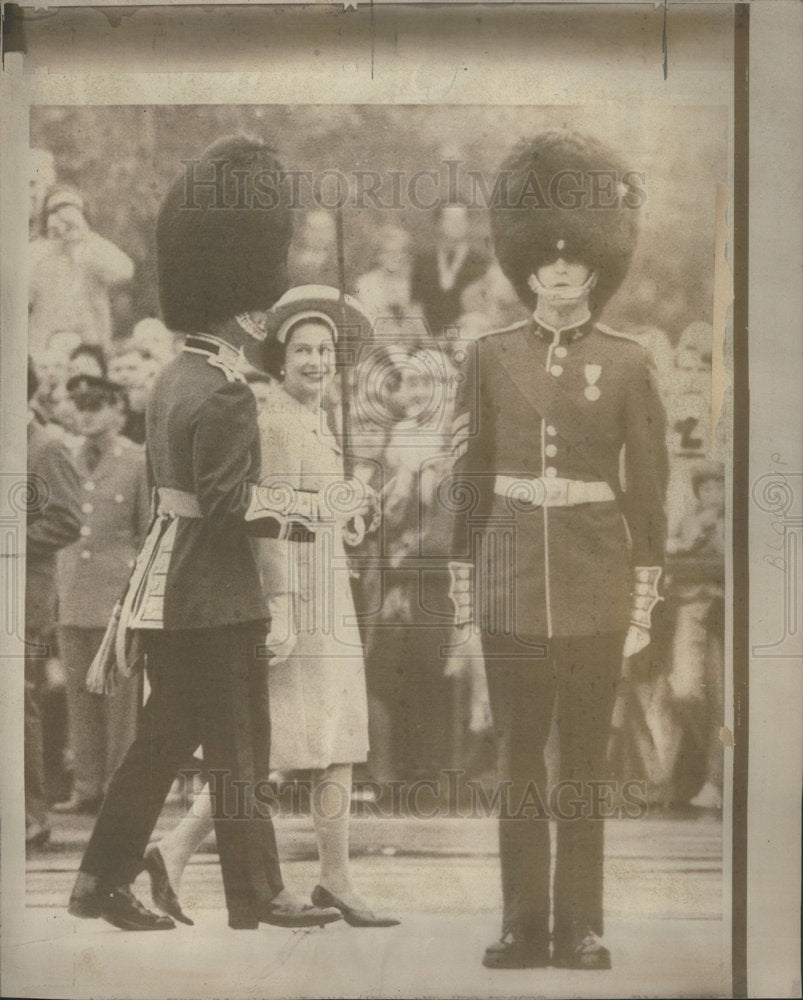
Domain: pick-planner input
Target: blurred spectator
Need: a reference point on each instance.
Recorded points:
(697, 673)
(152, 338)
(71, 273)
(92, 573)
(126, 363)
(52, 369)
(688, 411)
(313, 254)
(135, 369)
(643, 308)
(672, 719)
(41, 178)
(51, 402)
(407, 395)
(87, 359)
(63, 342)
(490, 303)
(53, 521)
(441, 274)
(386, 291)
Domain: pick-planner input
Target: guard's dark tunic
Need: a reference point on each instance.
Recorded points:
(204, 613)
(202, 439)
(558, 570)
(553, 583)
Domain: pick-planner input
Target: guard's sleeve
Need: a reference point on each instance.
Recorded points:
(223, 456)
(54, 514)
(468, 492)
(646, 465)
(226, 471)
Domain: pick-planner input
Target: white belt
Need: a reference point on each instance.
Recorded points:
(542, 492)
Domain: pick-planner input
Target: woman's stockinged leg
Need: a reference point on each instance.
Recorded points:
(331, 810)
(331, 813)
(187, 836)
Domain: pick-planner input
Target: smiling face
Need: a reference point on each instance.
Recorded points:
(309, 361)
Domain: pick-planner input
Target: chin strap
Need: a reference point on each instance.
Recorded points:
(644, 595)
(562, 293)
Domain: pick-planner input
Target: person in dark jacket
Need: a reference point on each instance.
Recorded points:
(53, 522)
(442, 274)
(557, 560)
(195, 596)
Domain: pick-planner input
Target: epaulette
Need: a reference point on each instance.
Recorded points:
(232, 374)
(609, 330)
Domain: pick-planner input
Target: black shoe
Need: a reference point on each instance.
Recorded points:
(162, 894)
(290, 911)
(243, 920)
(513, 952)
(354, 917)
(79, 807)
(584, 950)
(118, 905)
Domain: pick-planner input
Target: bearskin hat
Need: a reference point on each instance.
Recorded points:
(563, 194)
(222, 236)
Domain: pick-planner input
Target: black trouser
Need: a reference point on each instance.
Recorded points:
(582, 672)
(208, 688)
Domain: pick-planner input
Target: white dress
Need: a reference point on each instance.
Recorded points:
(318, 704)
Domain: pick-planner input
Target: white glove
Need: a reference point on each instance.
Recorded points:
(637, 638)
(481, 720)
(354, 530)
(365, 520)
(644, 598)
(466, 657)
(281, 639)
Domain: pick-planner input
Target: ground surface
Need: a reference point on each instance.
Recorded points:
(664, 888)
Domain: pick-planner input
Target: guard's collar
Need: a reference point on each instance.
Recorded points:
(566, 334)
(206, 343)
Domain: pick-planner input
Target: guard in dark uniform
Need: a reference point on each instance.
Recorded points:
(557, 556)
(195, 597)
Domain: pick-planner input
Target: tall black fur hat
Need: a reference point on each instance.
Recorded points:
(222, 236)
(563, 194)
